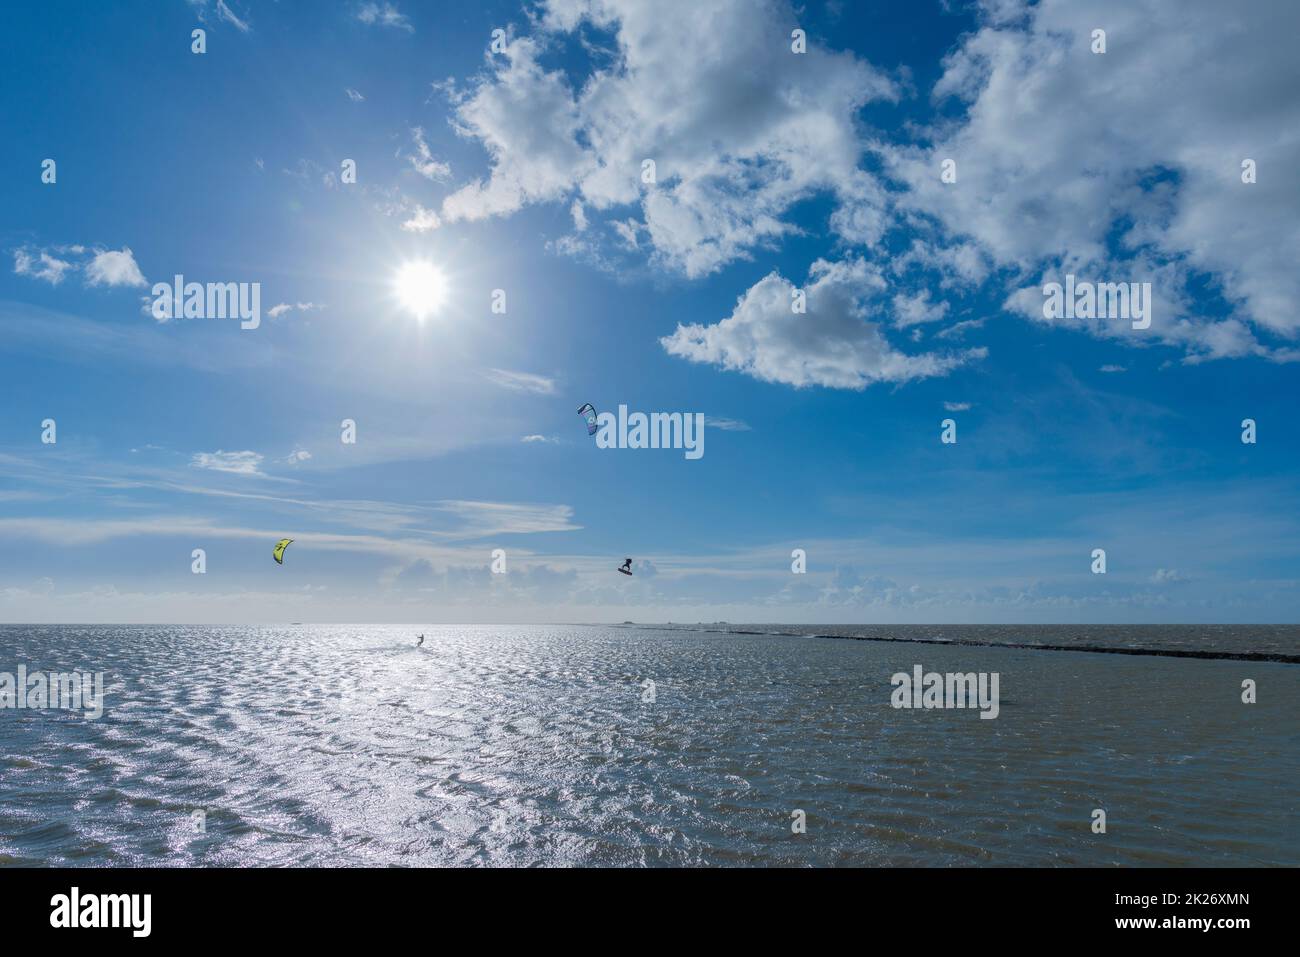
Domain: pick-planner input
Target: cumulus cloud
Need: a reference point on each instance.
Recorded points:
(114, 268)
(739, 128)
(1149, 187)
(834, 344)
(912, 310)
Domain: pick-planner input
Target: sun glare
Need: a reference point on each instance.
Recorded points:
(421, 288)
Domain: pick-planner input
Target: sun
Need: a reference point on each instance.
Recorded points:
(421, 288)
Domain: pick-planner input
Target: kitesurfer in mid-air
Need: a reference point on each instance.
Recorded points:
(626, 567)
(420, 642)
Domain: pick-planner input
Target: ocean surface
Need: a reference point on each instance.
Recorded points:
(540, 745)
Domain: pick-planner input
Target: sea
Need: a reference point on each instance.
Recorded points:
(652, 745)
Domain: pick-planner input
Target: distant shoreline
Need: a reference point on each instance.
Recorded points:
(1276, 657)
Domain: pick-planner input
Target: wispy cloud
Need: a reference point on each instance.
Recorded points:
(70, 338)
(423, 161)
(236, 463)
(384, 15)
(42, 266)
(521, 381)
(223, 11)
(280, 309)
(727, 425)
(492, 518)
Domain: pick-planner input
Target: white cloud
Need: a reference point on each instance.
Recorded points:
(521, 381)
(297, 457)
(354, 95)
(114, 268)
(957, 406)
(1167, 576)
(421, 220)
(41, 266)
(423, 162)
(958, 330)
(384, 15)
(105, 267)
(223, 11)
(740, 128)
(494, 518)
(539, 438)
(727, 425)
(1158, 164)
(579, 216)
(833, 344)
(282, 308)
(1112, 368)
(911, 310)
(238, 463)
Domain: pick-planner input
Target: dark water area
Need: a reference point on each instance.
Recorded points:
(1223, 642)
(598, 745)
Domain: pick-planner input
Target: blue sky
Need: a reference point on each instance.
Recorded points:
(522, 170)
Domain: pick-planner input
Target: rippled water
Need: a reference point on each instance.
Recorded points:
(522, 745)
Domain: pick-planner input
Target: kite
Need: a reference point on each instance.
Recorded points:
(590, 412)
(279, 550)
